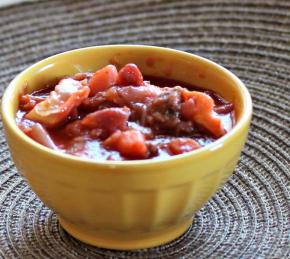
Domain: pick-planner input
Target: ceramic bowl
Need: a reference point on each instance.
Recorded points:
(127, 204)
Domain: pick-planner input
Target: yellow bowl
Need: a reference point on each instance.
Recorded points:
(127, 204)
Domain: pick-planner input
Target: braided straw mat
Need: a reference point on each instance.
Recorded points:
(249, 216)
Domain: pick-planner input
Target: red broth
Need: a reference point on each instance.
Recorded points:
(111, 115)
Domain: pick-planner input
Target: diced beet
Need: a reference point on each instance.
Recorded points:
(182, 145)
(103, 79)
(130, 144)
(130, 75)
(108, 120)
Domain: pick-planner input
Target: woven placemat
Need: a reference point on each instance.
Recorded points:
(249, 216)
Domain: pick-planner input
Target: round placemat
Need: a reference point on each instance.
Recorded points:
(249, 216)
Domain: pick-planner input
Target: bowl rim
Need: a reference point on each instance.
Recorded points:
(219, 143)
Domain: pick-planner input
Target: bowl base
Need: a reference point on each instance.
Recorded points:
(121, 241)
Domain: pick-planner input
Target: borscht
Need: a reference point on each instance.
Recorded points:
(123, 115)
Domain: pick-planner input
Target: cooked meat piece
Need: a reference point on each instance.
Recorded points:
(163, 113)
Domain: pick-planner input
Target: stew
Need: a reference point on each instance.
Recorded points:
(121, 115)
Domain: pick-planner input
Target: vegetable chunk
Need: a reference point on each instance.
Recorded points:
(130, 143)
(130, 75)
(108, 120)
(182, 145)
(55, 109)
(198, 107)
(103, 79)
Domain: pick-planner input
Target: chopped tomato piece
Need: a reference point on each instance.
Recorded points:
(108, 120)
(198, 107)
(103, 79)
(182, 145)
(55, 109)
(130, 144)
(130, 75)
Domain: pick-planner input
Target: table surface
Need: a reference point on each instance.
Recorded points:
(249, 216)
